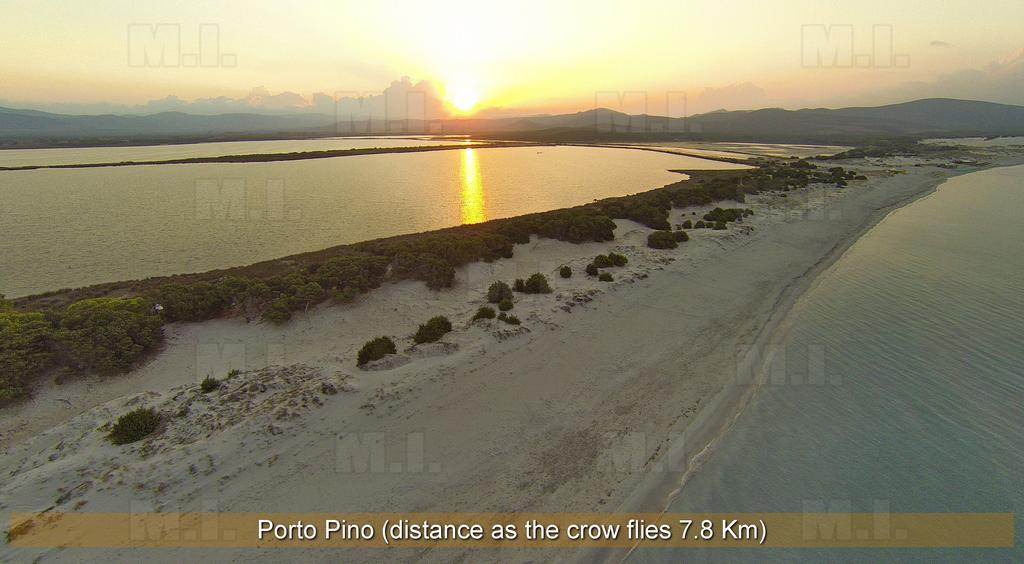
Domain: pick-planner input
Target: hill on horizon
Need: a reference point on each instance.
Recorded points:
(918, 118)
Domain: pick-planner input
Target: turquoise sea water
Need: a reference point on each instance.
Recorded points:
(903, 387)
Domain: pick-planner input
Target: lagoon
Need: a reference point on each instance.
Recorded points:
(75, 227)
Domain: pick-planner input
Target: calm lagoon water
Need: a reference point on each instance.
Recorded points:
(919, 326)
(74, 227)
(91, 155)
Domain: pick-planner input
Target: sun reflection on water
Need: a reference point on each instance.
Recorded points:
(472, 189)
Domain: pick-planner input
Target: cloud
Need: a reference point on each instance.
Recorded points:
(999, 81)
(402, 99)
(939, 43)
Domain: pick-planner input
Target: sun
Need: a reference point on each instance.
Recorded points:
(462, 98)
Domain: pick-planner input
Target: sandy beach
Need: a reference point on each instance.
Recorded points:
(599, 401)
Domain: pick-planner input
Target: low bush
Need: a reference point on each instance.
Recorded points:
(25, 343)
(505, 304)
(519, 285)
(605, 277)
(209, 384)
(510, 319)
(602, 261)
(617, 259)
(565, 272)
(537, 283)
(687, 224)
(681, 236)
(190, 303)
(719, 215)
(719, 226)
(592, 269)
(280, 311)
(376, 349)
(428, 267)
(134, 426)
(700, 224)
(432, 330)
(484, 313)
(662, 240)
(108, 335)
(498, 291)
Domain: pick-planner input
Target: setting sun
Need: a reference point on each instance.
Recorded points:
(463, 98)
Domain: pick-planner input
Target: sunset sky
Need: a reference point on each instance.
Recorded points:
(520, 57)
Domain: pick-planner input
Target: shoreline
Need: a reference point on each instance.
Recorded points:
(516, 422)
(720, 419)
(336, 153)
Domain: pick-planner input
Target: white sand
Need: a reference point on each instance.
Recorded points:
(582, 408)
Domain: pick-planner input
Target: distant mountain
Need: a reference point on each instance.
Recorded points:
(929, 117)
(31, 123)
(935, 116)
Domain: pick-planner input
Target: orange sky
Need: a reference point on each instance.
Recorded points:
(524, 56)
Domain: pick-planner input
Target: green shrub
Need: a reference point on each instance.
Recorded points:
(25, 340)
(661, 240)
(434, 271)
(719, 215)
(280, 310)
(349, 275)
(605, 277)
(505, 304)
(720, 226)
(510, 319)
(190, 303)
(681, 236)
(617, 259)
(700, 224)
(537, 283)
(565, 271)
(309, 294)
(602, 261)
(209, 384)
(134, 425)
(650, 211)
(484, 313)
(498, 291)
(432, 330)
(687, 224)
(376, 349)
(592, 269)
(519, 285)
(108, 334)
